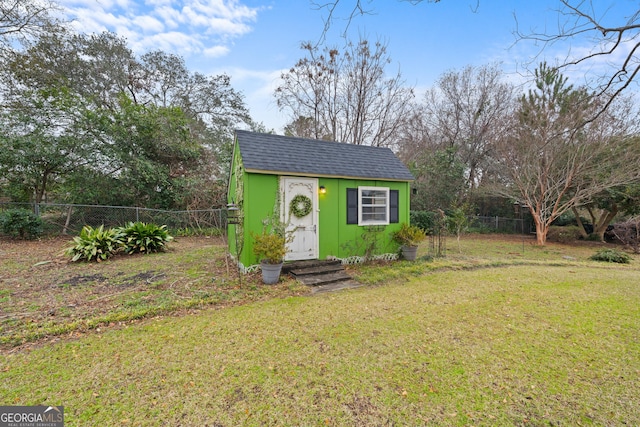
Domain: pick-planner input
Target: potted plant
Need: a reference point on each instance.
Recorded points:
(270, 249)
(409, 237)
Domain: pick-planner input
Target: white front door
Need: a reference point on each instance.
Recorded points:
(301, 220)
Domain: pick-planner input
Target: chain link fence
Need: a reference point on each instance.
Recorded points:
(69, 218)
(495, 224)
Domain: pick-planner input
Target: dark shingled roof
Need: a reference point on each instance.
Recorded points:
(279, 154)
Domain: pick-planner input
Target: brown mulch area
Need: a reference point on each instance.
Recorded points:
(43, 295)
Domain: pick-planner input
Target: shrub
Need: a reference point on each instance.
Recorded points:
(269, 247)
(409, 235)
(139, 237)
(423, 219)
(21, 223)
(610, 255)
(95, 243)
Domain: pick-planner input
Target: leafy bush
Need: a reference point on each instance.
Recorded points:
(566, 219)
(611, 255)
(269, 247)
(423, 219)
(95, 243)
(457, 220)
(21, 223)
(139, 237)
(409, 235)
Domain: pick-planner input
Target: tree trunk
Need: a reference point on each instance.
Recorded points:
(581, 229)
(42, 188)
(604, 221)
(541, 229)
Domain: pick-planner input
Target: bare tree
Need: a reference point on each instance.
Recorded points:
(22, 20)
(467, 111)
(615, 45)
(301, 127)
(628, 233)
(603, 208)
(353, 8)
(555, 161)
(615, 42)
(347, 95)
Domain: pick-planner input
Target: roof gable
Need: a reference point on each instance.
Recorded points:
(277, 154)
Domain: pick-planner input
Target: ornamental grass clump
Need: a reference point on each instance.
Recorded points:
(611, 255)
(95, 243)
(139, 237)
(100, 243)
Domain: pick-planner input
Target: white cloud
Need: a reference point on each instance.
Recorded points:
(149, 24)
(156, 3)
(171, 17)
(229, 9)
(172, 42)
(93, 21)
(178, 26)
(215, 51)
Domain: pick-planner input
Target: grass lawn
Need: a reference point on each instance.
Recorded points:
(487, 336)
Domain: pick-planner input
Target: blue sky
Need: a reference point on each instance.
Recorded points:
(255, 40)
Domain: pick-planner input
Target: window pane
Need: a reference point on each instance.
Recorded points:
(374, 205)
(375, 216)
(374, 209)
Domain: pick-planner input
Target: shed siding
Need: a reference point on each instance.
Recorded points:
(260, 198)
(337, 238)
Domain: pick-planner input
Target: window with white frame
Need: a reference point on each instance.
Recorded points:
(373, 206)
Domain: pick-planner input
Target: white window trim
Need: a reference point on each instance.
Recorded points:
(362, 222)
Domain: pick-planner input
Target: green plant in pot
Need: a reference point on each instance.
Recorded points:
(270, 248)
(409, 237)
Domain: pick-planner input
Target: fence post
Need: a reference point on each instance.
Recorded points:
(68, 220)
(137, 214)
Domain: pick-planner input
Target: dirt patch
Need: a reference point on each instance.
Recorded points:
(82, 279)
(364, 412)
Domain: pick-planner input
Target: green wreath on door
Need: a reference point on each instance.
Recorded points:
(300, 206)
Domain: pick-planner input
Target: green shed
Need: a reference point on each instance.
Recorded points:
(337, 200)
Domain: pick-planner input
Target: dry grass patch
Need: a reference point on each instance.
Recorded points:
(44, 295)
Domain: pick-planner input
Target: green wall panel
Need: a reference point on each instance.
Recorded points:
(261, 192)
(337, 238)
